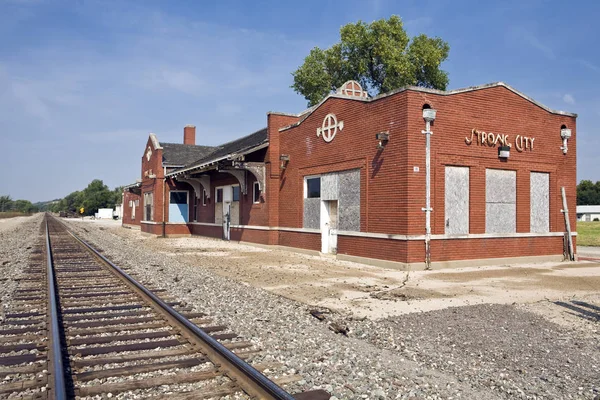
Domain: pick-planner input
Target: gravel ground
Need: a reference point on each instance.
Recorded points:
(513, 353)
(475, 352)
(15, 249)
(347, 367)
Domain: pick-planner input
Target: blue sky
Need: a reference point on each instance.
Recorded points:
(82, 83)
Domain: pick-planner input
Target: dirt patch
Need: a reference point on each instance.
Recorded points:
(408, 293)
(488, 273)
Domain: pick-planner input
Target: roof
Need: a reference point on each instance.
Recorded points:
(132, 185)
(243, 145)
(588, 209)
(177, 154)
(306, 113)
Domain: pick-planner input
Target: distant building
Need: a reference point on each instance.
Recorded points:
(588, 213)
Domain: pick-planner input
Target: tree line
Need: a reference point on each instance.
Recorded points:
(588, 193)
(96, 195)
(23, 206)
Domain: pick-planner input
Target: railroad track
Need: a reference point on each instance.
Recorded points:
(81, 327)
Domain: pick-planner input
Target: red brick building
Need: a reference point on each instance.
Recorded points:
(354, 176)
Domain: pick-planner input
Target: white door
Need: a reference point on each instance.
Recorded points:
(227, 196)
(329, 211)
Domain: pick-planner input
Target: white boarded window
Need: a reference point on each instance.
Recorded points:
(539, 202)
(456, 200)
(500, 201)
(148, 209)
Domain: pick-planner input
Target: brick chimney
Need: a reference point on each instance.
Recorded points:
(189, 135)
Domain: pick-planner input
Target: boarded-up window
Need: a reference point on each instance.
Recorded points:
(349, 195)
(539, 202)
(457, 200)
(148, 214)
(500, 201)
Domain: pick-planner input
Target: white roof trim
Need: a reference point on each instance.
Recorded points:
(155, 142)
(306, 113)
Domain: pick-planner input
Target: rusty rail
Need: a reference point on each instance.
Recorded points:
(55, 351)
(248, 378)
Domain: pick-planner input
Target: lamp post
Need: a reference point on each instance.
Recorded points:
(429, 116)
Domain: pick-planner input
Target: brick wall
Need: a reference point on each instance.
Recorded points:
(393, 190)
(309, 241)
(127, 211)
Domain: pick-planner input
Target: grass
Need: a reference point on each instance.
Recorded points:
(588, 233)
(12, 214)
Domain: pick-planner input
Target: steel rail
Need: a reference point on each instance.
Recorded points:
(239, 371)
(60, 390)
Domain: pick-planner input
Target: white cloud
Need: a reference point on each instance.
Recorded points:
(589, 65)
(569, 99)
(532, 40)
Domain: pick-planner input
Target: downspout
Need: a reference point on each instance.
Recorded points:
(164, 225)
(429, 116)
(122, 206)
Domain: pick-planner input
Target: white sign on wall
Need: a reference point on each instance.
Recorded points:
(329, 127)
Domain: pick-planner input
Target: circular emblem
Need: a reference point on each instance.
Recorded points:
(329, 127)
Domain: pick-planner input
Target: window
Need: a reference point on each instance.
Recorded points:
(203, 197)
(456, 200)
(256, 193)
(130, 203)
(539, 207)
(132, 210)
(148, 214)
(195, 209)
(178, 198)
(313, 187)
(236, 193)
(500, 201)
(137, 202)
(219, 195)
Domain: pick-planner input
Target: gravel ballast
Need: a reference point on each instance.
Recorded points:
(475, 352)
(16, 244)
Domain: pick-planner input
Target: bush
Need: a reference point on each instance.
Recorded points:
(596, 219)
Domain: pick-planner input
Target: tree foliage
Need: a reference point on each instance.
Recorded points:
(588, 193)
(96, 195)
(22, 206)
(379, 55)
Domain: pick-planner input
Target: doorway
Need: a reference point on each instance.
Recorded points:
(178, 206)
(329, 226)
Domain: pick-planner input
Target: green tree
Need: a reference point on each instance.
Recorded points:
(6, 203)
(72, 202)
(588, 193)
(379, 55)
(97, 195)
(118, 195)
(24, 206)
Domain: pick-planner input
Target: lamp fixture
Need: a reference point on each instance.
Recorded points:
(565, 134)
(429, 114)
(504, 152)
(383, 138)
(285, 159)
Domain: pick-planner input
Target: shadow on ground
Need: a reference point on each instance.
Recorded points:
(581, 309)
